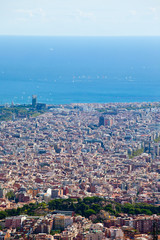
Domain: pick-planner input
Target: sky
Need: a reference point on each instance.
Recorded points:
(80, 17)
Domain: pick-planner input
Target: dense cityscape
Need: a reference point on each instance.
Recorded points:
(103, 160)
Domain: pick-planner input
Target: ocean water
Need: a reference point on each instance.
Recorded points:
(63, 70)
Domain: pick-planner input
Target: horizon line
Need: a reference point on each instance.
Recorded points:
(18, 35)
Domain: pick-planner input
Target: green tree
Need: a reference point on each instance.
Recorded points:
(3, 214)
(89, 212)
(10, 195)
(96, 207)
(81, 208)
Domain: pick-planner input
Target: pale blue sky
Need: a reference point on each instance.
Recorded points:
(80, 17)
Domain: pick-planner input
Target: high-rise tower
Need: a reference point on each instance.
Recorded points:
(34, 101)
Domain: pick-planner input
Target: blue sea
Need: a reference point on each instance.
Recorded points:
(62, 70)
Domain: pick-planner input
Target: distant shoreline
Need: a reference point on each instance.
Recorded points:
(75, 103)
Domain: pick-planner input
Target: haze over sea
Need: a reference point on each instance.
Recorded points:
(62, 70)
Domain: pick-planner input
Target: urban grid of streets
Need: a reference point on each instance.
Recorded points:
(78, 150)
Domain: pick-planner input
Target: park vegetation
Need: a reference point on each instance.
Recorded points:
(157, 140)
(18, 111)
(136, 153)
(85, 207)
